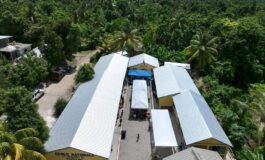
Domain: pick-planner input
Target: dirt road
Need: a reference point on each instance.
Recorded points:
(62, 89)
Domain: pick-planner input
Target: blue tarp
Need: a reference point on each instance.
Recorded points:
(140, 73)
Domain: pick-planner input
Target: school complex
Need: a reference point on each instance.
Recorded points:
(181, 125)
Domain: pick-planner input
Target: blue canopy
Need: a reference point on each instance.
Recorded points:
(140, 73)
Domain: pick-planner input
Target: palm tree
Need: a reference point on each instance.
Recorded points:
(12, 149)
(126, 41)
(202, 51)
(249, 155)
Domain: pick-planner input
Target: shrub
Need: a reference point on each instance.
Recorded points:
(59, 107)
(85, 73)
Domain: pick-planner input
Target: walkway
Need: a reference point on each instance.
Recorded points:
(129, 147)
(62, 89)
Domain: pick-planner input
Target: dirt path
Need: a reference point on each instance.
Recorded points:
(62, 89)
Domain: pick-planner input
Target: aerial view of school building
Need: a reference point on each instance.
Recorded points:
(135, 109)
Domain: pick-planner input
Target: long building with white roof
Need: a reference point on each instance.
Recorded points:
(85, 129)
(198, 123)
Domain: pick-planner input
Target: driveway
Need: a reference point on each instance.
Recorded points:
(62, 89)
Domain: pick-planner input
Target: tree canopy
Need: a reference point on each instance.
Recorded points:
(188, 31)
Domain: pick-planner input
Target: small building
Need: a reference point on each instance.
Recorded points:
(199, 126)
(85, 128)
(139, 105)
(143, 62)
(12, 50)
(169, 81)
(194, 153)
(165, 142)
(4, 40)
(182, 65)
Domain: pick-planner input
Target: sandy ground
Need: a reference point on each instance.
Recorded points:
(62, 89)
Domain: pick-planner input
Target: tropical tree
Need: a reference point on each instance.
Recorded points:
(85, 73)
(59, 107)
(12, 149)
(201, 50)
(29, 71)
(21, 112)
(250, 155)
(126, 41)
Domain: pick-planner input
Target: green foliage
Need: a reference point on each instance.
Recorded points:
(85, 73)
(125, 41)
(59, 107)
(250, 155)
(26, 132)
(26, 148)
(161, 28)
(21, 111)
(202, 50)
(32, 143)
(29, 71)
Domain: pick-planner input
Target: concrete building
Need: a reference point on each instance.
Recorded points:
(198, 123)
(143, 62)
(169, 81)
(12, 50)
(194, 153)
(85, 129)
(182, 65)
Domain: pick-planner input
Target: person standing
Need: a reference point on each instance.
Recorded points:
(138, 137)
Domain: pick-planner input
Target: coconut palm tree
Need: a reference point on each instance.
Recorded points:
(201, 50)
(249, 155)
(126, 41)
(11, 149)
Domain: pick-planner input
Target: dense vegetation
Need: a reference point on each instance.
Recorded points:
(85, 73)
(59, 107)
(224, 40)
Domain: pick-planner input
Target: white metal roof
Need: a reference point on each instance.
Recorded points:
(8, 48)
(172, 80)
(194, 153)
(197, 120)
(183, 65)
(143, 58)
(88, 121)
(164, 135)
(123, 53)
(139, 95)
(5, 37)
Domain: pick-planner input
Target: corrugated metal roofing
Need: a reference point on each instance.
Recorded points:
(197, 120)
(183, 65)
(143, 58)
(194, 154)
(88, 121)
(164, 135)
(172, 80)
(139, 95)
(5, 37)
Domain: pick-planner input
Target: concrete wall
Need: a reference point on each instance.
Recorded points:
(143, 66)
(209, 143)
(71, 154)
(166, 101)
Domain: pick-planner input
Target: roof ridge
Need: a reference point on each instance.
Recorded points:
(93, 95)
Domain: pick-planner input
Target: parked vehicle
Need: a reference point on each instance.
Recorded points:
(70, 69)
(37, 94)
(57, 73)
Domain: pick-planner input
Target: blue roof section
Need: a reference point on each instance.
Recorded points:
(140, 73)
